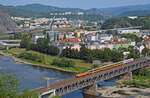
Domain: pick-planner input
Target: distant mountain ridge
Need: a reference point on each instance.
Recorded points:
(39, 10)
(132, 10)
(136, 10)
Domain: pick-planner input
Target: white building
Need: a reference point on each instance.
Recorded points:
(35, 37)
(132, 17)
(54, 35)
(139, 47)
(103, 37)
(128, 31)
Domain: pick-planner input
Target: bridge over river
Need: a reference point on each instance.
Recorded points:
(10, 43)
(88, 82)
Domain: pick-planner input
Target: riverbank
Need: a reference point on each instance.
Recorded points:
(81, 66)
(124, 92)
(17, 60)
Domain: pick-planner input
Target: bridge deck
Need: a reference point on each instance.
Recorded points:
(65, 83)
(74, 79)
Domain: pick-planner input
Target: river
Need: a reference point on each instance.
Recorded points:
(31, 77)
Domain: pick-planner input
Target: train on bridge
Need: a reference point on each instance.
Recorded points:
(104, 68)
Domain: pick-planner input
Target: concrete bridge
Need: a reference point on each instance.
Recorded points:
(10, 43)
(89, 83)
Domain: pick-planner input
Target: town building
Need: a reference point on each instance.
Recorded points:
(54, 35)
(36, 36)
(128, 31)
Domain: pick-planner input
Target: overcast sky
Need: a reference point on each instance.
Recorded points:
(77, 3)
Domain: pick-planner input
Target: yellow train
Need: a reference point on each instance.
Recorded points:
(103, 68)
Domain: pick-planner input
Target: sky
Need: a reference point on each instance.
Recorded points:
(85, 4)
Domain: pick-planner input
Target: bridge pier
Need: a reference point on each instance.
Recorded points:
(48, 94)
(91, 92)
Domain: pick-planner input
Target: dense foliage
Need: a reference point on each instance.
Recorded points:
(141, 77)
(56, 97)
(133, 53)
(9, 86)
(42, 45)
(90, 55)
(63, 62)
(126, 22)
(142, 72)
(33, 57)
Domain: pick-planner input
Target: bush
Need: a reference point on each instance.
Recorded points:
(33, 57)
(52, 50)
(63, 62)
(95, 66)
(56, 97)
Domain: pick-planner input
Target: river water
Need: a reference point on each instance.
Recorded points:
(31, 77)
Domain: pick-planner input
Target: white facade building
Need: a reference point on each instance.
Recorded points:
(104, 37)
(128, 31)
(35, 37)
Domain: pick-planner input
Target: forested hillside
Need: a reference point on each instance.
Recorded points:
(126, 22)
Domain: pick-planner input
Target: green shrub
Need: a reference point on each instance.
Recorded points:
(63, 62)
(33, 57)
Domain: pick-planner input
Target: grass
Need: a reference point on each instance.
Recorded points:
(6, 36)
(80, 64)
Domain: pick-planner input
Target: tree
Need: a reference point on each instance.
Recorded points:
(28, 94)
(116, 56)
(70, 53)
(107, 56)
(65, 52)
(98, 54)
(17, 35)
(25, 40)
(55, 36)
(89, 57)
(134, 55)
(145, 51)
(141, 72)
(42, 45)
(64, 36)
(52, 50)
(48, 38)
(95, 66)
(9, 85)
(64, 62)
(83, 52)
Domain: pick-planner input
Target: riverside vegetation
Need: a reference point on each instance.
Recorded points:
(141, 78)
(69, 59)
(9, 86)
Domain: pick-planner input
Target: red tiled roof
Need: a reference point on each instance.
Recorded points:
(75, 40)
(113, 38)
(121, 42)
(107, 41)
(90, 34)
